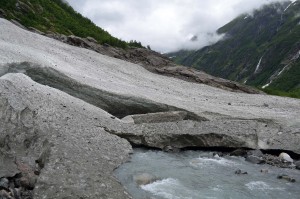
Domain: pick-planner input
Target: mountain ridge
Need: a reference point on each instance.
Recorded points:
(260, 50)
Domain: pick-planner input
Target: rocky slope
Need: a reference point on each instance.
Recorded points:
(65, 110)
(259, 49)
(58, 20)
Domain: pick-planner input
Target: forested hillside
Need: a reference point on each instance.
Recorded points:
(260, 49)
(58, 17)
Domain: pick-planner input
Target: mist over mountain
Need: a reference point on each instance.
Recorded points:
(165, 25)
(261, 49)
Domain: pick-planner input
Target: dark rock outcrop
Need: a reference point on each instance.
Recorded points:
(193, 75)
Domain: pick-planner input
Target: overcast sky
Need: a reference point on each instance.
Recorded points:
(165, 25)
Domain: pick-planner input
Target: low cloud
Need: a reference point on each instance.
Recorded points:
(165, 25)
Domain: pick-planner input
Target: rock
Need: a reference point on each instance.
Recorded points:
(18, 24)
(5, 195)
(2, 13)
(276, 161)
(216, 155)
(171, 149)
(286, 177)
(28, 182)
(194, 75)
(239, 152)
(27, 194)
(36, 30)
(285, 157)
(4, 183)
(77, 41)
(144, 179)
(91, 39)
(160, 117)
(188, 133)
(297, 164)
(264, 171)
(266, 105)
(239, 172)
(256, 153)
(254, 159)
(59, 145)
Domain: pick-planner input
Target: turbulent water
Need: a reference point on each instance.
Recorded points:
(199, 175)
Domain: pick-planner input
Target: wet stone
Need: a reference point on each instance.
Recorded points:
(4, 182)
(240, 172)
(286, 177)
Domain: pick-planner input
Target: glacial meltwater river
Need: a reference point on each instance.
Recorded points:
(199, 175)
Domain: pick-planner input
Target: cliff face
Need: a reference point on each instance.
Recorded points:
(261, 50)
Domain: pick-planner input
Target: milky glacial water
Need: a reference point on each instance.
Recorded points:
(199, 175)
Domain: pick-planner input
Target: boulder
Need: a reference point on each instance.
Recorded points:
(255, 159)
(240, 172)
(239, 152)
(286, 177)
(144, 179)
(171, 149)
(77, 41)
(4, 183)
(286, 157)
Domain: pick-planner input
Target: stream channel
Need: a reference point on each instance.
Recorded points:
(200, 175)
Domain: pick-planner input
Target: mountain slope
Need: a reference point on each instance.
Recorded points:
(62, 20)
(58, 17)
(261, 50)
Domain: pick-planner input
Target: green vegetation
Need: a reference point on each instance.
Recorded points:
(271, 34)
(57, 16)
(134, 43)
(293, 94)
